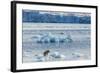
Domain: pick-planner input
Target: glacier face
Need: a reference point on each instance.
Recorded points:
(36, 16)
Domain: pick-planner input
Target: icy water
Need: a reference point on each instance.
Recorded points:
(76, 49)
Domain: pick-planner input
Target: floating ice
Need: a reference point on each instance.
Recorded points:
(57, 55)
(78, 55)
(39, 58)
(52, 38)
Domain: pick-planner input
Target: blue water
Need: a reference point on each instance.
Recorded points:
(80, 43)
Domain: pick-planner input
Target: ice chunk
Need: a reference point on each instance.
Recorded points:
(78, 55)
(57, 55)
(39, 58)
